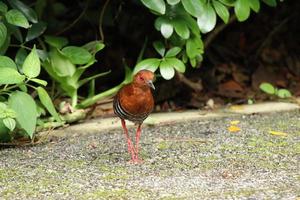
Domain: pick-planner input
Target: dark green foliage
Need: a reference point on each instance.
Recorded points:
(33, 52)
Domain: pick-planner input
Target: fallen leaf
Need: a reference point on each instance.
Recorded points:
(231, 89)
(278, 133)
(233, 129)
(237, 107)
(226, 175)
(234, 122)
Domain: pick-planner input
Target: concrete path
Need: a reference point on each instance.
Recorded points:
(192, 159)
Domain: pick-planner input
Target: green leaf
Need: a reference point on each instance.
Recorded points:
(173, 2)
(23, 87)
(61, 64)
(25, 107)
(3, 34)
(43, 54)
(10, 76)
(7, 62)
(36, 30)
(228, 2)
(16, 18)
(166, 70)
(3, 106)
(155, 5)
(5, 45)
(271, 3)
(194, 47)
(158, 22)
(221, 10)
(32, 66)
(10, 123)
(47, 102)
(267, 88)
(192, 24)
(166, 29)
(207, 19)
(94, 46)
(17, 33)
(39, 81)
(77, 55)
(254, 5)
(242, 10)
(194, 7)
(181, 28)
(20, 57)
(177, 64)
(193, 62)
(26, 10)
(184, 57)
(284, 93)
(3, 7)
(54, 41)
(4, 133)
(159, 47)
(150, 64)
(10, 113)
(173, 52)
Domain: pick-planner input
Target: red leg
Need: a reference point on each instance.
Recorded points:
(131, 149)
(137, 139)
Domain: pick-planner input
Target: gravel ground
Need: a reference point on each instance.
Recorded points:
(191, 160)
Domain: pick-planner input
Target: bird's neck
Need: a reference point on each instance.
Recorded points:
(144, 88)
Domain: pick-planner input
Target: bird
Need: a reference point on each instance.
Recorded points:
(134, 102)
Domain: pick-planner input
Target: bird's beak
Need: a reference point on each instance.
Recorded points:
(150, 83)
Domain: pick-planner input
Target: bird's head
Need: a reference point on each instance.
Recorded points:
(144, 78)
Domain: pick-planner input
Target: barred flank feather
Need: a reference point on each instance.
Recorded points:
(122, 113)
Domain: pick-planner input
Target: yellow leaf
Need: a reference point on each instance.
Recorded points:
(278, 133)
(237, 107)
(233, 129)
(235, 122)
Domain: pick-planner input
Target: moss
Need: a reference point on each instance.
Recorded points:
(172, 198)
(114, 173)
(75, 163)
(116, 194)
(7, 173)
(45, 180)
(163, 145)
(106, 194)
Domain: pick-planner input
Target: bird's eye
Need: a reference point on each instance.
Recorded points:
(142, 78)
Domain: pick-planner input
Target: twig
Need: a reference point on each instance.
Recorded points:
(271, 34)
(193, 85)
(101, 20)
(216, 31)
(75, 21)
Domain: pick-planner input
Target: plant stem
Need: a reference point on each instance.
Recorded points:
(8, 88)
(20, 46)
(92, 100)
(101, 20)
(75, 21)
(74, 99)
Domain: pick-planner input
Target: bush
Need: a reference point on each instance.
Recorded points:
(25, 47)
